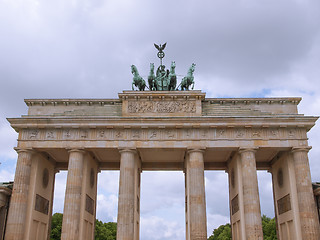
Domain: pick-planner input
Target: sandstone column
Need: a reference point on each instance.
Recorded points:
(126, 208)
(307, 208)
(72, 202)
(19, 199)
(252, 213)
(196, 200)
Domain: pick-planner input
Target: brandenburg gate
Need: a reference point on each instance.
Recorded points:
(162, 130)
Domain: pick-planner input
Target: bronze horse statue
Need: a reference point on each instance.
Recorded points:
(187, 81)
(172, 77)
(138, 81)
(153, 85)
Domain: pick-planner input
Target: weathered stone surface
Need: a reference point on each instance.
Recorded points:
(251, 201)
(308, 212)
(162, 127)
(19, 200)
(72, 204)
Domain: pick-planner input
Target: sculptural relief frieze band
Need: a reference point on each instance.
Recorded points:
(161, 106)
(164, 133)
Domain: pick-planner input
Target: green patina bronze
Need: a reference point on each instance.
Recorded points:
(138, 81)
(164, 79)
(188, 80)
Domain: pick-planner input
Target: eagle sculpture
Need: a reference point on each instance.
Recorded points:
(161, 47)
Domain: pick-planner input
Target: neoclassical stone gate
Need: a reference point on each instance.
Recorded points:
(179, 130)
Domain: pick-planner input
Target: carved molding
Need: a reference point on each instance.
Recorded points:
(162, 134)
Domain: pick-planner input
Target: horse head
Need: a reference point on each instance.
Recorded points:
(151, 68)
(192, 68)
(134, 69)
(173, 65)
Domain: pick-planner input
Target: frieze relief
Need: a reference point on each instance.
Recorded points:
(158, 134)
(162, 106)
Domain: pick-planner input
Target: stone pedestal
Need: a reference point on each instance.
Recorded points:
(20, 195)
(196, 201)
(308, 213)
(251, 202)
(129, 196)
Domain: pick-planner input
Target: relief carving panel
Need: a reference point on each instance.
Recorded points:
(161, 106)
(156, 134)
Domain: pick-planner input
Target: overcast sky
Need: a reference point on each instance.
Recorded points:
(84, 49)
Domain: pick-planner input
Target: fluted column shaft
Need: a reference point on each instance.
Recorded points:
(252, 212)
(125, 221)
(72, 202)
(307, 207)
(19, 199)
(196, 200)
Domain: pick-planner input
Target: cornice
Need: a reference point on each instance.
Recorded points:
(160, 95)
(247, 101)
(306, 122)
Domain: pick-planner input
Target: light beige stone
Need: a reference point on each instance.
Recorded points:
(161, 127)
(72, 202)
(251, 201)
(15, 229)
(195, 194)
(308, 212)
(285, 197)
(128, 206)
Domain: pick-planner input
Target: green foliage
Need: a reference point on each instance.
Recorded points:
(221, 233)
(103, 231)
(268, 227)
(56, 225)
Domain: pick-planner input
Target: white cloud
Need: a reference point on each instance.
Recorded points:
(107, 199)
(107, 207)
(157, 228)
(6, 176)
(8, 140)
(214, 221)
(59, 191)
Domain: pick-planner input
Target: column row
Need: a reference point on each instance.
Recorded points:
(31, 203)
(294, 204)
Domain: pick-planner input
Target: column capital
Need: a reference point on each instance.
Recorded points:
(80, 150)
(123, 150)
(195, 149)
(247, 149)
(27, 150)
(301, 149)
